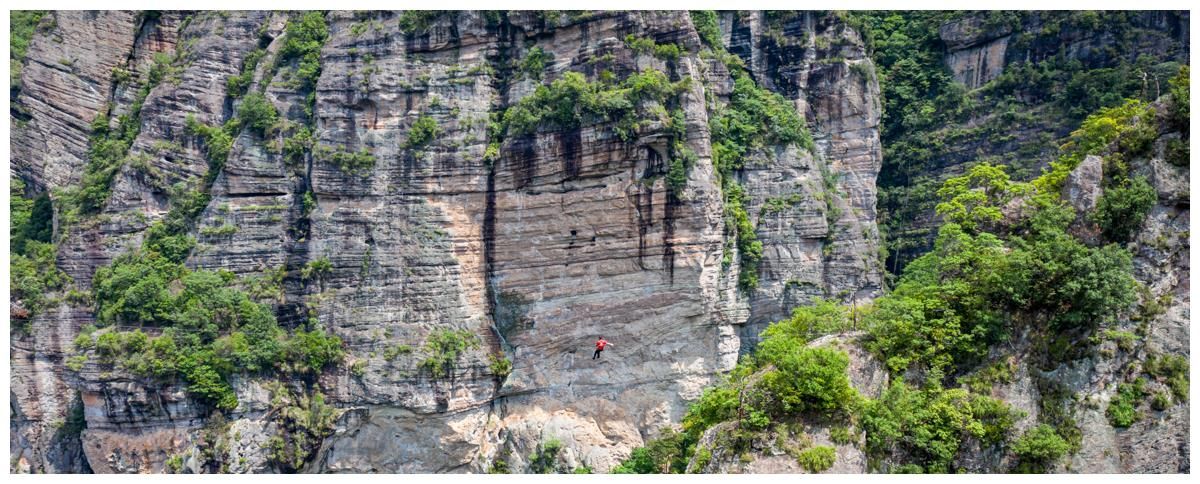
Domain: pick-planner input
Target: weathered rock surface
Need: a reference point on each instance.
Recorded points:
(566, 236)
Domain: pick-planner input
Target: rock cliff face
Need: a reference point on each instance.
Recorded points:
(1092, 59)
(558, 237)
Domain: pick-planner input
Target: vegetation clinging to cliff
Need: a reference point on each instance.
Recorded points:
(1004, 263)
(571, 101)
(22, 25)
(33, 269)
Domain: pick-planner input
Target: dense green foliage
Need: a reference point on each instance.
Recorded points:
(544, 458)
(355, 162)
(707, 26)
(33, 269)
(1118, 132)
(1122, 208)
(1180, 92)
(644, 45)
(534, 63)
(22, 25)
(1039, 447)
(1172, 370)
(211, 329)
(817, 459)
(302, 422)
(974, 201)
(29, 220)
(572, 101)
(663, 455)
(931, 425)
(1123, 410)
(302, 43)
(442, 349)
(930, 121)
(218, 140)
(953, 303)
(237, 85)
(257, 113)
(422, 132)
(417, 21)
(804, 380)
(1002, 264)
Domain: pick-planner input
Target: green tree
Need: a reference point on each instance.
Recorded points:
(1122, 209)
(974, 201)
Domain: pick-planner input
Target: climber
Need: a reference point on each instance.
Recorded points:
(600, 344)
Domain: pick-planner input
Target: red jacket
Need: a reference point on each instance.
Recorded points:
(601, 344)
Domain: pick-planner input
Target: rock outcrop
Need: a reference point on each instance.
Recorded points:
(561, 236)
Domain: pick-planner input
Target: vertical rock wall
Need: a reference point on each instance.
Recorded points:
(566, 236)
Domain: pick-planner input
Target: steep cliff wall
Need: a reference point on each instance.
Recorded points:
(1004, 87)
(534, 243)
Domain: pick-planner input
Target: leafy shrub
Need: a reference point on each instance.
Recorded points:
(1173, 369)
(417, 21)
(23, 24)
(174, 464)
(707, 26)
(822, 316)
(312, 351)
(1178, 152)
(356, 162)
(1161, 401)
(1180, 92)
(423, 131)
(257, 113)
(677, 174)
(501, 366)
(666, 454)
(316, 269)
(218, 141)
(1096, 135)
(544, 459)
(974, 200)
(1122, 209)
(817, 459)
(394, 351)
(1040, 447)
(643, 45)
(931, 425)
(209, 324)
(33, 266)
(570, 101)
(302, 43)
(29, 219)
(237, 85)
(499, 466)
(805, 379)
(718, 403)
(1122, 409)
(534, 63)
(302, 422)
(298, 144)
(442, 349)
(841, 435)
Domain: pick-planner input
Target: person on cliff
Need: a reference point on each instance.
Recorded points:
(600, 344)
